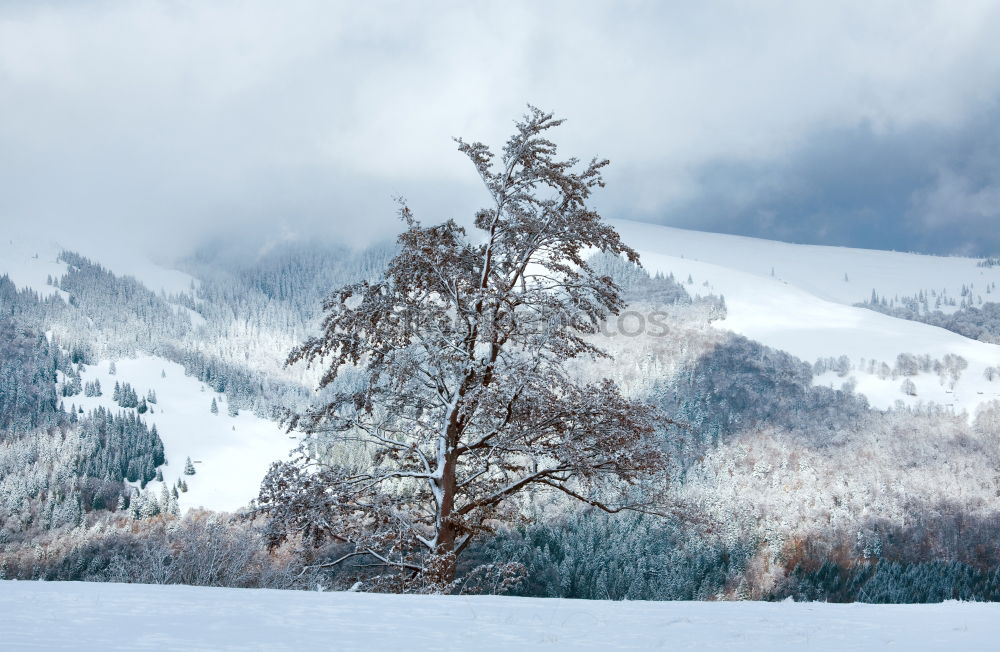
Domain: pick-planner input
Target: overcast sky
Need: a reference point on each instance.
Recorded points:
(869, 124)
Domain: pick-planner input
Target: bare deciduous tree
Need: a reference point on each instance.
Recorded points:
(465, 399)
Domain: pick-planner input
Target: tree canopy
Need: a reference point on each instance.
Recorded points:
(452, 374)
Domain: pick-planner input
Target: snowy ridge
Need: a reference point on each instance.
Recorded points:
(29, 259)
(30, 266)
(817, 269)
(806, 308)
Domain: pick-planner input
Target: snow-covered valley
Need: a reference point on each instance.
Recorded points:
(795, 298)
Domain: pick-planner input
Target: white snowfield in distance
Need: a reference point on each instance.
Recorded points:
(231, 455)
(29, 258)
(807, 308)
(93, 616)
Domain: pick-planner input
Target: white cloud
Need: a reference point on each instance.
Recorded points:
(227, 113)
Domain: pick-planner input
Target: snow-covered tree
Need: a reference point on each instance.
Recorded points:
(459, 380)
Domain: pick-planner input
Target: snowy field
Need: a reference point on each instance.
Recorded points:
(231, 454)
(807, 309)
(83, 616)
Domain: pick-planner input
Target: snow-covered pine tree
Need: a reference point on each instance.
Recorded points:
(214, 409)
(164, 501)
(464, 394)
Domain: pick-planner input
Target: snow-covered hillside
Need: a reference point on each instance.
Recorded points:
(796, 298)
(29, 259)
(231, 454)
(819, 270)
(72, 615)
(806, 307)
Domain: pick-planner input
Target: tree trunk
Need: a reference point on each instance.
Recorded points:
(447, 534)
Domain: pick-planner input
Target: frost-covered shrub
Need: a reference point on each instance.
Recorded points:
(202, 549)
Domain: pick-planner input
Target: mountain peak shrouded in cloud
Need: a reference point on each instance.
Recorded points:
(163, 124)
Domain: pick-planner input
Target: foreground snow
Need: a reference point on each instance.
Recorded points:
(82, 616)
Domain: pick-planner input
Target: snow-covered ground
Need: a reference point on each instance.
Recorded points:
(817, 269)
(29, 258)
(806, 307)
(231, 454)
(29, 263)
(83, 616)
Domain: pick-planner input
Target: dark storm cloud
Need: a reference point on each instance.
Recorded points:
(159, 124)
(926, 188)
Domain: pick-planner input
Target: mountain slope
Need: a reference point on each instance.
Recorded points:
(231, 454)
(806, 308)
